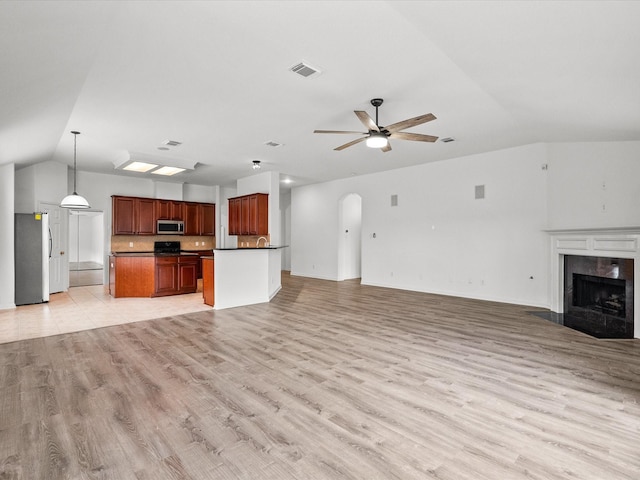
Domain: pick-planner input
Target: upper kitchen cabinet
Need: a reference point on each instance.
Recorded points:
(191, 219)
(199, 218)
(207, 212)
(170, 210)
(249, 215)
(132, 216)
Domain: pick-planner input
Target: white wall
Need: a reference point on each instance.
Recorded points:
(43, 182)
(594, 185)
(285, 228)
(86, 237)
(7, 226)
(439, 238)
(199, 193)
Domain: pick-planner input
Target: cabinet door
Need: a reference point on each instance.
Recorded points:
(166, 276)
(163, 210)
(207, 219)
(258, 222)
(207, 281)
(122, 216)
(245, 215)
(177, 210)
(191, 219)
(234, 216)
(188, 282)
(145, 216)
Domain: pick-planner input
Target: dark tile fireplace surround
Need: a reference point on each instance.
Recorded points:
(598, 296)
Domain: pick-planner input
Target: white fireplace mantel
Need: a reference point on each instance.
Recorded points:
(622, 242)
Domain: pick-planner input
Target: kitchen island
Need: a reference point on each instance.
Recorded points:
(246, 276)
(148, 274)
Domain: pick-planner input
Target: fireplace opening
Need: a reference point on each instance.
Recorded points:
(598, 296)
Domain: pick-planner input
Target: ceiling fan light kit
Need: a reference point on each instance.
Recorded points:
(377, 140)
(378, 136)
(74, 200)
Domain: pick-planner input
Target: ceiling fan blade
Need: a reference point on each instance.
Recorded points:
(366, 120)
(411, 122)
(340, 131)
(386, 148)
(418, 137)
(353, 142)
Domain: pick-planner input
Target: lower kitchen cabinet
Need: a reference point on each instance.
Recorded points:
(152, 276)
(131, 276)
(207, 281)
(176, 274)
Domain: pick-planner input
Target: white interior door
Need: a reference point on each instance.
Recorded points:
(59, 261)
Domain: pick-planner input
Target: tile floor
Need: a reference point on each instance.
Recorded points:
(84, 308)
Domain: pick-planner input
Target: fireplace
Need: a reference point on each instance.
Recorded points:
(615, 254)
(598, 295)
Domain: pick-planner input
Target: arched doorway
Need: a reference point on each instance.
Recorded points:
(350, 237)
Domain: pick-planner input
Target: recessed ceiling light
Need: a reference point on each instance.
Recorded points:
(168, 171)
(287, 181)
(256, 165)
(140, 167)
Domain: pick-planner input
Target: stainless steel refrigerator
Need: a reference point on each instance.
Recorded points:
(32, 252)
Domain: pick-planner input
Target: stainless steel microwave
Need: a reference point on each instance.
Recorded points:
(170, 227)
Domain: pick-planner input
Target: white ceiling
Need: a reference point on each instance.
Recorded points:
(215, 76)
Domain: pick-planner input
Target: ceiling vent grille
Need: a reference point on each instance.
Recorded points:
(305, 70)
(171, 143)
(271, 143)
(447, 140)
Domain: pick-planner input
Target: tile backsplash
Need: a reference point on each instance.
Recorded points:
(144, 243)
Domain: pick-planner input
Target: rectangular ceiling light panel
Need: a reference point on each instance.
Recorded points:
(141, 167)
(168, 171)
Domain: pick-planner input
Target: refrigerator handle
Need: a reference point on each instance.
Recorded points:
(50, 243)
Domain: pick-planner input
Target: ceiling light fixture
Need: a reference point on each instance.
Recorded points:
(140, 167)
(256, 165)
(168, 171)
(377, 140)
(74, 200)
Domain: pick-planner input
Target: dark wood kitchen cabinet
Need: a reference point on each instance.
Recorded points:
(131, 276)
(249, 215)
(207, 213)
(166, 276)
(132, 216)
(169, 210)
(199, 218)
(176, 274)
(191, 218)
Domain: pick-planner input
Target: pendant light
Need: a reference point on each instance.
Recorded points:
(74, 200)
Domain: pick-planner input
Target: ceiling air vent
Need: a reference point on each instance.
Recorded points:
(171, 143)
(447, 140)
(271, 143)
(305, 70)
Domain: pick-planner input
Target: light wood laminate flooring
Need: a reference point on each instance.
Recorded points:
(331, 380)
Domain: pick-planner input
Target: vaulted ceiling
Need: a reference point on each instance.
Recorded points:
(215, 76)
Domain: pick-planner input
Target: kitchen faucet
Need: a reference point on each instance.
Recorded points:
(261, 238)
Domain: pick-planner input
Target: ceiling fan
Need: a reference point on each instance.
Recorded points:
(378, 136)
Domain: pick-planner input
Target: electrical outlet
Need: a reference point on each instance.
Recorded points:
(131, 244)
(197, 243)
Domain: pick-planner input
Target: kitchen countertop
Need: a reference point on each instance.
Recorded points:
(151, 254)
(270, 247)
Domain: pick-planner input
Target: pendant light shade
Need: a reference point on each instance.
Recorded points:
(74, 200)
